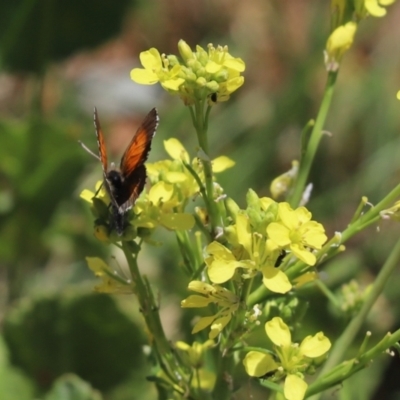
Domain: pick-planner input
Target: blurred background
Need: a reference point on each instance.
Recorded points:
(60, 59)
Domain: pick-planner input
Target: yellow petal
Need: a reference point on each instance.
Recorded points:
(258, 364)
(175, 177)
(202, 323)
(220, 271)
(172, 84)
(374, 8)
(278, 332)
(205, 379)
(234, 84)
(278, 233)
(161, 191)
(305, 278)
(97, 265)
(87, 195)
(303, 215)
(295, 388)
(315, 346)
(218, 325)
(175, 150)
(236, 64)
(151, 59)
(243, 231)
(177, 221)
(222, 163)
(182, 345)
(277, 282)
(144, 76)
(212, 67)
(304, 255)
(265, 202)
(201, 287)
(196, 301)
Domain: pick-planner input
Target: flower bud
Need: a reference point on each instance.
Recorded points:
(185, 51)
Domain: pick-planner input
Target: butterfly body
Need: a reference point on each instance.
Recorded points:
(125, 184)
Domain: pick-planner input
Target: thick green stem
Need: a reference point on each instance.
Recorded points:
(151, 315)
(200, 120)
(223, 386)
(313, 142)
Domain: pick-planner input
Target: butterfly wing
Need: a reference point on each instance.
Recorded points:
(100, 142)
(132, 162)
(103, 156)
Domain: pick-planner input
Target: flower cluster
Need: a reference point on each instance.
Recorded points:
(262, 237)
(227, 302)
(290, 360)
(174, 183)
(200, 74)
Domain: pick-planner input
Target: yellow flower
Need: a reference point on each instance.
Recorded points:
(112, 282)
(227, 301)
(375, 8)
(200, 75)
(194, 353)
(214, 73)
(292, 360)
(158, 208)
(253, 253)
(297, 232)
(156, 69)
(339, 41)
(175, 172)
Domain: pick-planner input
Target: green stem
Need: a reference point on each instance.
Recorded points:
(343, 343)
(151, 315)
(222, 389)
(372, 215)
(312, 145)
(187, 251)
(200, 119)
(348, 368)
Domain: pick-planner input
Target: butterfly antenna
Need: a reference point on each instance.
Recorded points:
(88, 150)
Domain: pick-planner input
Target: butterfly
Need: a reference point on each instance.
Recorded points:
(124, 184)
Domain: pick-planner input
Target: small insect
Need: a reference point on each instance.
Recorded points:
(125, 184)
(280, 258)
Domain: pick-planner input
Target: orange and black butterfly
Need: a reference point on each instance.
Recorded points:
(125, 184)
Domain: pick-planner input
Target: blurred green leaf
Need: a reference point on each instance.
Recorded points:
(34, 33)
(87, 335)
(13, 383)
(71, 387)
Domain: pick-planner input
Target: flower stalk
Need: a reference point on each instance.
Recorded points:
(311, 148)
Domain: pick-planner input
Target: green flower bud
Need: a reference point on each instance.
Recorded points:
(185, 51)
(201, 82)
(232, 208)
(212, 86)
(252, 199)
